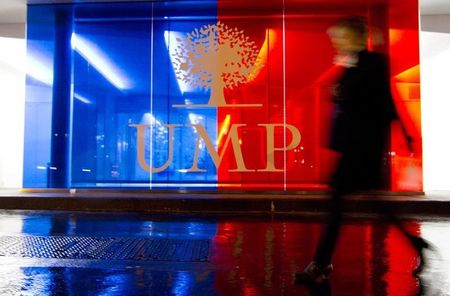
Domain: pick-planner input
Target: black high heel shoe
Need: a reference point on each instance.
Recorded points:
(314, 273)
(419, 245)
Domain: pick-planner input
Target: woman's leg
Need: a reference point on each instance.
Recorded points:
(319, 269)
(330, 234)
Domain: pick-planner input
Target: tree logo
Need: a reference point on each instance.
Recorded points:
(216, 57)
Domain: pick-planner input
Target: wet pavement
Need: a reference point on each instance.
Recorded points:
(86, 253)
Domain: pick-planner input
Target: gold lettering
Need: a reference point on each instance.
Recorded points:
(270, 140)
(217, 159)
(141, 147)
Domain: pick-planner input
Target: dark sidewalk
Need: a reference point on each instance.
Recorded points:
(219, 202)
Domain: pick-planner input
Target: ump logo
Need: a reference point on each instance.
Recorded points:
(216, 57)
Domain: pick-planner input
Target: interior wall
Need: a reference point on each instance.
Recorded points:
(12, 30)
(12, 99)
(435, 64)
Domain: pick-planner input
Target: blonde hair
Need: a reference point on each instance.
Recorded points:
(357, 25)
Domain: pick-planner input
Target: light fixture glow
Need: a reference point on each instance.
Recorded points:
(224, 128)
(100, 61)
(149, 119)
(39, 71)
(195, 119)
(82, 99)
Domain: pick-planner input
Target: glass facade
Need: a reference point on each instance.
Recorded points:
(201, 94)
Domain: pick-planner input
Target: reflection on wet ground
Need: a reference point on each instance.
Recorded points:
(68, 253)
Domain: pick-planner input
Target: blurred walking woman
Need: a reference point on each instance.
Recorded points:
(360, 131)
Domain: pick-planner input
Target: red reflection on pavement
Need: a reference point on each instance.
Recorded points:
(261, 258)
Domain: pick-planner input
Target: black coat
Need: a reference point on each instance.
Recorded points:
(361, 124)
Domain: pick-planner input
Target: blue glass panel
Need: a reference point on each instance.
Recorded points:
(123, 75)
(39, 95)
(172, 24)
(113, 68)
(111, 46)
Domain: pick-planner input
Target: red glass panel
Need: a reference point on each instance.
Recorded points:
(262, 23)
(405, 72)
(293, 87)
